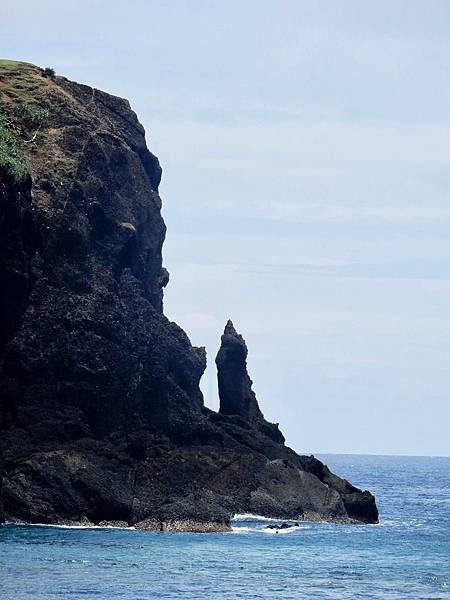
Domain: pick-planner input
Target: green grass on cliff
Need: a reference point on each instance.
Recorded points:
(21, 115)
(12, 158)
(17, 83)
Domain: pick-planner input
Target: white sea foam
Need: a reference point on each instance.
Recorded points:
(251, 517)
(66, 526)
(243, 529)
(248, 530)
(259, 526)
(398, 523)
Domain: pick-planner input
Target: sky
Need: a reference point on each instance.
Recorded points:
(305, 149)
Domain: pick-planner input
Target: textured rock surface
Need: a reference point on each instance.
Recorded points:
(101, 414)
(235, 386)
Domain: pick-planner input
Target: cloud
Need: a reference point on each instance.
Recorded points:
(309, 172)
(298, 143)
(316, 313)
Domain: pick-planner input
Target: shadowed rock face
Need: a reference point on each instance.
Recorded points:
(101, 414)
(235, 386)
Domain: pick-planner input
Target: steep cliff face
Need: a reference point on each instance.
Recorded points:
(101, 414)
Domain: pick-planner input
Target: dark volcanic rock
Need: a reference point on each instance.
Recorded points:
(235, 386)
(101, 414)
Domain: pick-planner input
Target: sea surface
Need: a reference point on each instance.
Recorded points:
(406, 555)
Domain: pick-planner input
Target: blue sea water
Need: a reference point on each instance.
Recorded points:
(405, 556)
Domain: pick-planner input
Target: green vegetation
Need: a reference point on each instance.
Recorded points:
(17, 81)
(29, 116)
(22, 115)
(20, 126)
(12, 158)
(48, 72)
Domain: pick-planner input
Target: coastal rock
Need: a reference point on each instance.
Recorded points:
(113, 524)
(101, 413)
(235, 386)
(185, 526)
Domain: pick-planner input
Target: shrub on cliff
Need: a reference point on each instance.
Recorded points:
(49, 72)
(12, 157)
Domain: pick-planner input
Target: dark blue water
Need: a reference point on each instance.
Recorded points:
(405, 556)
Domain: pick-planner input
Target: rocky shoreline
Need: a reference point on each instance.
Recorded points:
(183, 526)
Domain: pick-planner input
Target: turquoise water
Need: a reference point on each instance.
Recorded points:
(405, 556)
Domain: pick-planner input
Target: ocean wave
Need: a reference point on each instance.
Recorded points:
(65, 526)
(243, 529)
(251, 517)
(269, 530)
(399, 523)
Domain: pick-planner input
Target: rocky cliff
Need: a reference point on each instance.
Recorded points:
(101, 414)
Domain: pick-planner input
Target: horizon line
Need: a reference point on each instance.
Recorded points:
(380, 455)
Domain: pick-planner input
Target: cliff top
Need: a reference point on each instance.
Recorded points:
(46, 120)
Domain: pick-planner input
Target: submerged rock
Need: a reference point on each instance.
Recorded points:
(101, 412)
(283, 526)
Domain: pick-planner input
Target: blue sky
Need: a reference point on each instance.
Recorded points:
(305, 149)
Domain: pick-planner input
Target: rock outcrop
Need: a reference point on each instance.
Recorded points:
(235, 386)
(101, 414)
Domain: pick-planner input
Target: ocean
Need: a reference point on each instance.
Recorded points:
(407, 555)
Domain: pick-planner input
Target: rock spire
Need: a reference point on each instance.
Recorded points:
(235, 386)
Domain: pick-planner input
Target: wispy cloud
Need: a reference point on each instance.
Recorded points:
(311, 172)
